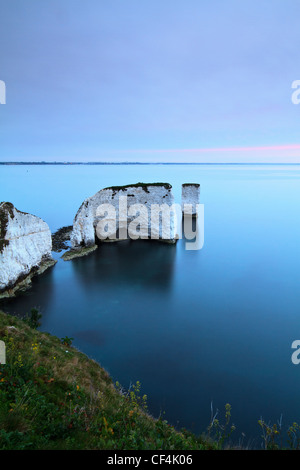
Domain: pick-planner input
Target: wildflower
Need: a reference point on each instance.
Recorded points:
(19, 362)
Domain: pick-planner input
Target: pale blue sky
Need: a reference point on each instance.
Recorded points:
(149, 80)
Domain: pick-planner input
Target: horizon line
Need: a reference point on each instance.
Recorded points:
(55, 162)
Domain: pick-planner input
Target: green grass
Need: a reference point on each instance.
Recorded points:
(52, 396)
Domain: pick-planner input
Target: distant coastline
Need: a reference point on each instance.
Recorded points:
(147, 163)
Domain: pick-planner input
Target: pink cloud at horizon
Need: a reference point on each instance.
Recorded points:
(287, 153)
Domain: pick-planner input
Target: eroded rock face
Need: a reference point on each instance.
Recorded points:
(147, 195)
(25, 248)
(190, 197)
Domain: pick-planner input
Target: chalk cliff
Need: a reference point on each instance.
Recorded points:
(130, 205)
(25, 248)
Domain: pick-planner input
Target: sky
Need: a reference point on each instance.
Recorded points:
(150, 81)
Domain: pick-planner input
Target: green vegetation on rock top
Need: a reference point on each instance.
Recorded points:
(139, 185)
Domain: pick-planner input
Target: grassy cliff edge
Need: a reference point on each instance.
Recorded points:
(52, 396)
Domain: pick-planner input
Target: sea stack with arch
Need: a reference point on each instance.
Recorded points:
(130, 211)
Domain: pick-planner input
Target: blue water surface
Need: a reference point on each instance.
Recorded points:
(196, 328)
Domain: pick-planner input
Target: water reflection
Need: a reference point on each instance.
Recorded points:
(143, 263)
(39, 295)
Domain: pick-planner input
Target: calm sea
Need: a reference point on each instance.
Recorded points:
(196, 328)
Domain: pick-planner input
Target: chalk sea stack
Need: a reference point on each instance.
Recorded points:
(190, 197)
(25, 249)
(84, 232)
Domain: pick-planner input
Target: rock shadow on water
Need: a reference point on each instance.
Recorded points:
(145, 263)
(39, 295)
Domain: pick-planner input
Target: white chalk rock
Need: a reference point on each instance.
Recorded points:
(190, 197)
(135, 209)
(25, 247)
